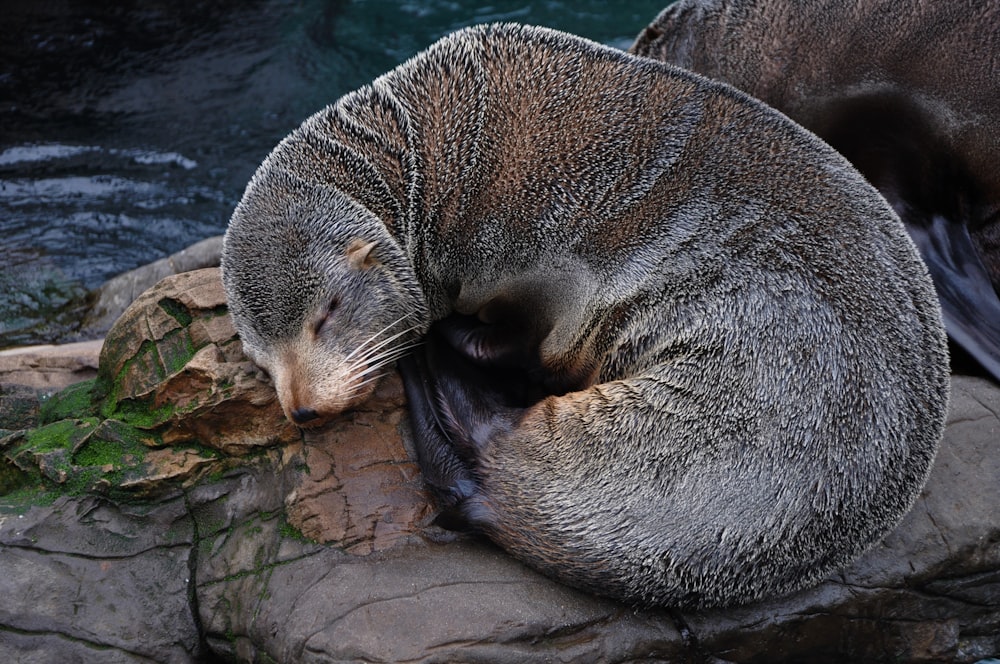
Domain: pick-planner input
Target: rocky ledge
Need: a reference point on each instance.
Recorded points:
(163, 511)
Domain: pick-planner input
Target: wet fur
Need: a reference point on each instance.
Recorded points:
(675, 350)
(907, 90)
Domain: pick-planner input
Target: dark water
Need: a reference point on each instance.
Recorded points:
(129, 129)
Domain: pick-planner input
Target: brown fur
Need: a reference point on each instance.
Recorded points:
(743, 367)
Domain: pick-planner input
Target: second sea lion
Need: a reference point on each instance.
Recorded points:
(659, 342)
(907, 90)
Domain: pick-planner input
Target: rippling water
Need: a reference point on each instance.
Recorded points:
(128, 130)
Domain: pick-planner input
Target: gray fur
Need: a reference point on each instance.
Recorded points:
(769, 371)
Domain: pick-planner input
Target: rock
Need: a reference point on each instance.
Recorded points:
(19, 405)
(325, 551)
(50, 368)
(174, 356)
(86, 580)
(115, 295)
(174, 400)
(362, 489)
(929, 593)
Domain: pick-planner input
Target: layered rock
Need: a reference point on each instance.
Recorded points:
(50, 368)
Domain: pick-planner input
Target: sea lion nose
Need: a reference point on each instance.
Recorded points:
(303, 415)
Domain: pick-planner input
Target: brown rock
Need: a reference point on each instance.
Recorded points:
(174, 354)
(363, 491)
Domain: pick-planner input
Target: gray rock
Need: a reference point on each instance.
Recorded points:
(85, 580)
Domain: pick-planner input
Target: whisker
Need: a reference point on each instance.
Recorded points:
(375, 336)
(357, 387)
(377, 362)
(370, 352)
(380, 351)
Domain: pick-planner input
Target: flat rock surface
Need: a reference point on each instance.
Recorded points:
(50, 368)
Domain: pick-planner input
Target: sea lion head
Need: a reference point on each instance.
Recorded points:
(321, 295)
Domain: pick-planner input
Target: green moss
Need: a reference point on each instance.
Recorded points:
(128, 438)
(288, 531)
(116, 452)
(175, 350)
(176, 310)
(61, 435)
(83, 455)
(109, 389)
(104, 453)
(138, 414)
(157, 360)
(74, 401)
(12, 478)
(20, 500)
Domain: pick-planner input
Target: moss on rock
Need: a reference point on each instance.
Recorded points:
(74, 401)
(174, 401)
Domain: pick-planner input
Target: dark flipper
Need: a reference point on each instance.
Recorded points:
(501, 344)
(448, 476)
(457, 405)
(474, 402)
(969, 302)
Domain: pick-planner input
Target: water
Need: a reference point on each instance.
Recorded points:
(128, 130)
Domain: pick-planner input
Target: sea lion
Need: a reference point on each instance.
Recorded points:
(675, 349)
(907, 90)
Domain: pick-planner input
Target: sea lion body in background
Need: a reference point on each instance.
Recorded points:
(907, 90)
(675, 349)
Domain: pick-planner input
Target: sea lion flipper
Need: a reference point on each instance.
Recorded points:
(448, 476)
(508, 342)
(969, 304)
(472, 400)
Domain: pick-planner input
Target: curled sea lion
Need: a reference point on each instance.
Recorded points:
(670, 347)
(907, 90)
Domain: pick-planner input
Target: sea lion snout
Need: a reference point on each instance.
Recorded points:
(304, 415)
(314, 385)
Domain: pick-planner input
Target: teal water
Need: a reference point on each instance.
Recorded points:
(128, 130)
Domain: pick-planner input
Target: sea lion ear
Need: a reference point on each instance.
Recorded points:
(359, 254)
